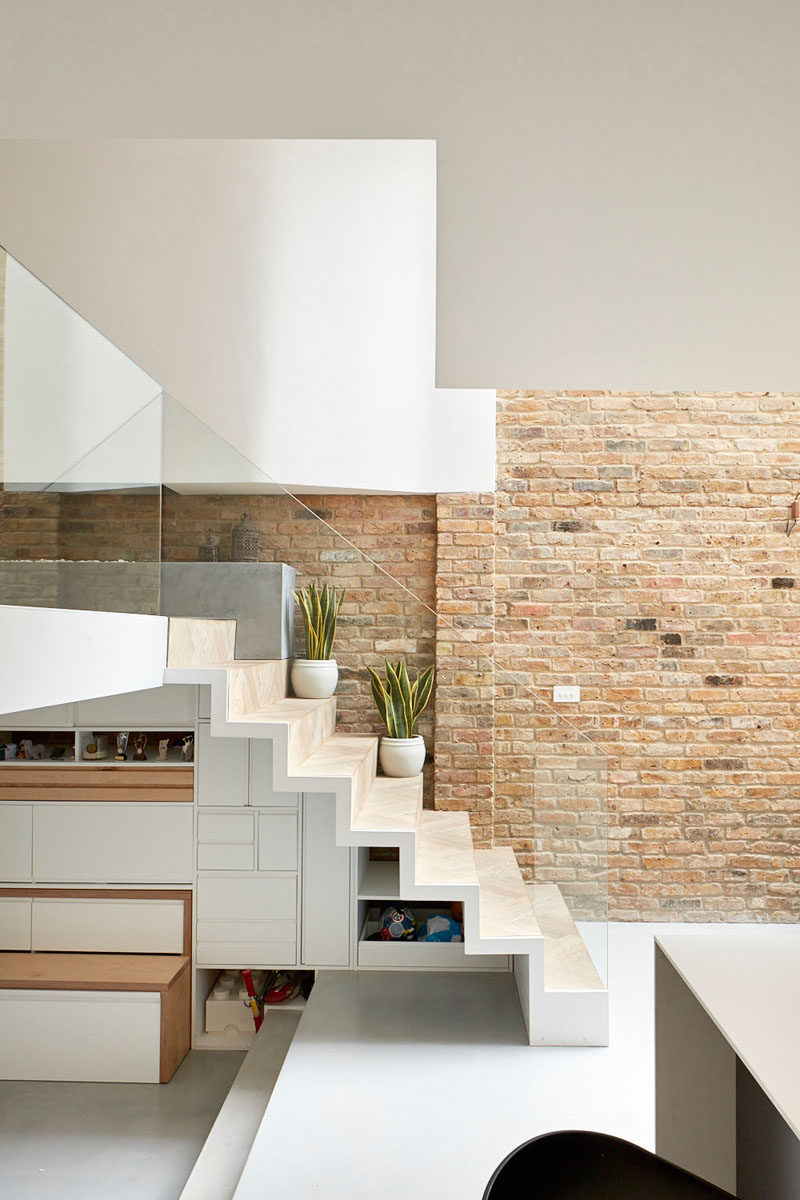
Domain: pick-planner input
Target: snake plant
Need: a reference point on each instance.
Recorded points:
(320, 609)
(400, 702)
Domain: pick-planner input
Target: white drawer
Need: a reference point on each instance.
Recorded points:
(247, 954)
(15, 923)
(226, 827)
(113, 843)
(229, 899)
(214, 856)
(108, 925)
(247, 931)
(277, 841)
(110, 1037)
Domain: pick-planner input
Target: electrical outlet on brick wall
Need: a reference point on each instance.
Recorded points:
(566, 695)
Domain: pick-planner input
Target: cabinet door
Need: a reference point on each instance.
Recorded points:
(15, 842)
(277, 841)
(15, 922)
(112, 843)
(222, 769)
(326, 888)
(58, 716)
(173, 705)
(261, 792)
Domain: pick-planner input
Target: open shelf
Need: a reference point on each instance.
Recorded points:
(379, 881)
(419, 956)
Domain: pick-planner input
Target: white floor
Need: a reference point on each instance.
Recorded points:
(94, 1141)
(415, 1084)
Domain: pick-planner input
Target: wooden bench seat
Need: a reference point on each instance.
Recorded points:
(169, 975)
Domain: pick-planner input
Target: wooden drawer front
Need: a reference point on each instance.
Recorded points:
(261, 793)
(221, 857)
(277, 842)
(225, 899)
(15, 923)
(173, 705)
(226, 827)
(112, 843)
(108, 926)
(111, 1037)
(15, 842)
(80, 783)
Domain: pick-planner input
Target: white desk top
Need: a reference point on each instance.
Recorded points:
(749, 984)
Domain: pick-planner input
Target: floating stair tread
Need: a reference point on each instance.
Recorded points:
(568, 965)
(445, 853)
(391, 806)
(505, 905)
(341, 755)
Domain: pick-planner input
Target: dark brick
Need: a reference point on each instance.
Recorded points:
(568, 526)
(723, 681)
(782, 581)
(671, 639)
(724, 764)
(648, 623)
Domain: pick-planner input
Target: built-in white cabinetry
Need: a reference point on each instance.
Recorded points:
(113, 843)
(223, 766)
(171, 706)
(16, 822)
(106, 925)
(277, 841)
(325, 940)
(58, 716)
(15, 923)
(247, 920)
(261, 792)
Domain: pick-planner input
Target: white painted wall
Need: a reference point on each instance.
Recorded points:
(283, 291)
(54, 655)
(67, 388)
(618, 180)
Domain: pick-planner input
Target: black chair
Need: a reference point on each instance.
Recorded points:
(576, 1165)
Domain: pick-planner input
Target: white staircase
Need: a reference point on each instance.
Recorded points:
(563, 999)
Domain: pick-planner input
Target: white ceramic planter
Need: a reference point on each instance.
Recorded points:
(314, 678)
(402, 757)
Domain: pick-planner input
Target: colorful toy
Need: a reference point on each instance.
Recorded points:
(396, 923)
(440, 928)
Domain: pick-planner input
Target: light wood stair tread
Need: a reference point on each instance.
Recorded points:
(505, 907)
(568, 965)
(391, 805)
(342, 754)
(445, 853)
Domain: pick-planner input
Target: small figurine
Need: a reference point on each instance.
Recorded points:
(37, 750)
(139, 742)
(208, 550)
(163, 746)
(57, 752)
(122, 746)
(11, 750)
(187, 748)
(26, 748)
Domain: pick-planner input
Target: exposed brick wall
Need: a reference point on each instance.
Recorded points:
(642, 553)
(465, 697)
(379, 619)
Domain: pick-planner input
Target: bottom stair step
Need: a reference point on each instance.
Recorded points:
(568, 965)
